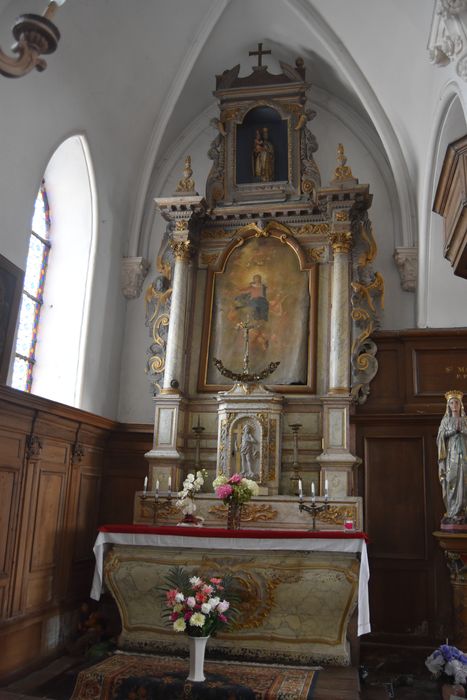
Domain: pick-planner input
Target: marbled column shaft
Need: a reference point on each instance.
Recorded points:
(339, 362)
(174, 358)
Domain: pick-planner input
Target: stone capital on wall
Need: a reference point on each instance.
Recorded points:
(132, 274)
(447, 42)
(406, 260)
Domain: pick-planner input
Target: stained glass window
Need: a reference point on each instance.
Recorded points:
(33, 290)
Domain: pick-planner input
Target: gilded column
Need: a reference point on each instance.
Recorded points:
(339, 361)
(175, 352)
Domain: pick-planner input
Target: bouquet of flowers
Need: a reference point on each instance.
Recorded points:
(196, 606)
(450, 662)
(186, 497)
(236, 490)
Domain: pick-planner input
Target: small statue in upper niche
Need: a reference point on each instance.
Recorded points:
(262, 156)
(452, 461)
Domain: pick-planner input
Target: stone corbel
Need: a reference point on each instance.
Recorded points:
(448, 35)
(132, 275)
(406, 260)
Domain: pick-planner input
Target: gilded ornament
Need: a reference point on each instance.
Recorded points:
(228, 114)
(209, 259)
(182, 250)
(336, 515)
(316, 254)
(312, 230)
(251, 512)
(341, 241)
(342, 216)
(367, 292)
(186, 185)
(342, 172)
(453, 394)
(293, 108)
(181, 225)
(209, 233)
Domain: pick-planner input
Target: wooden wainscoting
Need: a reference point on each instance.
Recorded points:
(51, 467)
(396, 430)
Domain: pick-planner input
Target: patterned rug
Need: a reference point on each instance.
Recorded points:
(132, 677)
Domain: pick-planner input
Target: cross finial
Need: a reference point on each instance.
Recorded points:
(260, 53)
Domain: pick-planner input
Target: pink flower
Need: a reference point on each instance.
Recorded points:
(235, 479)
(191, 602)
(188, 615)
(173, 616)
(215, 581)
(223, 606)
(223, 618)
(207, 590)
(224, 491)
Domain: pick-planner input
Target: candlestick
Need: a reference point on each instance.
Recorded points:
(295, 476)
(198, 431)
(160, 505)
(313, 509)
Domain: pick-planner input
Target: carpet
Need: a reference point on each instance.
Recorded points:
(137, 677)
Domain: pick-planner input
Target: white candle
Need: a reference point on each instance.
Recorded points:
(157, 488)
(326, 488)
(145, 484)
(313, 491)
(169, 483)
(300, 489)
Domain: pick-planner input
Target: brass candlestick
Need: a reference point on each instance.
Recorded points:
(160, 504)
(198, 431)
(295, 477)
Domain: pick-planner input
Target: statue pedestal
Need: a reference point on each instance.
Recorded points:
(454, 545)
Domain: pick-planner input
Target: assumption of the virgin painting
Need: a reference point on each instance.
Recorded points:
(261, 283)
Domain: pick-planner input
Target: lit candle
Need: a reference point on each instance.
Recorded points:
(313, 491)
(145, 488)
(157, 488)
(300, 489)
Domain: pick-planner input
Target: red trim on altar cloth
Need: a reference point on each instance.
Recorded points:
(241, 534)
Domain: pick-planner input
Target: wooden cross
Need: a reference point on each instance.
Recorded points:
(260, 53)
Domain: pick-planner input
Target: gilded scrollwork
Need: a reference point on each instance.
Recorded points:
(209, 258)
(367, 301)
(312, 230)
(336, 515)
(158, 299)
(251, 512)
(316, 255)
(310, 175)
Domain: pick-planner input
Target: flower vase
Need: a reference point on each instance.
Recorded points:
(234, 516)
(197, 647)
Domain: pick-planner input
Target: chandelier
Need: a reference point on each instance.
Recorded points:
(36, 35)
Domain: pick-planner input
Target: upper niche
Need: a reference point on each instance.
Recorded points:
(261, 147)
(263, 151)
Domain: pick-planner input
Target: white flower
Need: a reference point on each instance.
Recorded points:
(220, 480)
(195, 581)
(223, 606)
(200, 477)
(213, 602)
(206, 608)
(180, 625)
(179, 597)
(189, 486)
(189, 478)
(191, 601)
(252, 485)
(197, 619)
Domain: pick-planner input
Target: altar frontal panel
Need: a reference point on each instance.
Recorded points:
(294, 606)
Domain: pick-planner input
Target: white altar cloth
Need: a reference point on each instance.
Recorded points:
(305, 544)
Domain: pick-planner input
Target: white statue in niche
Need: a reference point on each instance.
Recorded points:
(249, 452)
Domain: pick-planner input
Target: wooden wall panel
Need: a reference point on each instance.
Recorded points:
(394, 469)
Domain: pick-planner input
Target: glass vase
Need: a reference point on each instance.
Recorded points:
(234, 516)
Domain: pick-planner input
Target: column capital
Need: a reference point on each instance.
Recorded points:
(341, 241)
(183, 249)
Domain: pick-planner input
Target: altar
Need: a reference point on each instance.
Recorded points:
(298, 590)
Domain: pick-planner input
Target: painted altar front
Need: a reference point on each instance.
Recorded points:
(298, 590)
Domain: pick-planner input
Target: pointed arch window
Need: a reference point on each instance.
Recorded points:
(33, 291)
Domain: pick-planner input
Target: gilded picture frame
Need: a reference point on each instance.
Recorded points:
(11, 286)
(265, 278)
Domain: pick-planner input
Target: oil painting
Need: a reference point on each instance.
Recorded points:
(261, 283)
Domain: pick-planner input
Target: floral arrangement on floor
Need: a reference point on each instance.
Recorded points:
(449, 662)
(186, 497)
(196, 606)
(237, 489)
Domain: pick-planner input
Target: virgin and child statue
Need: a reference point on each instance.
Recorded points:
(262, 157)
(452, 456)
